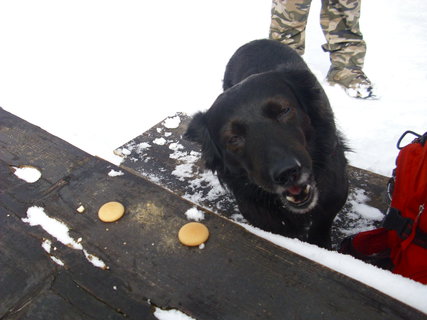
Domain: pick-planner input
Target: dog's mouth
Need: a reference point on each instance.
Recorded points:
(298, 195)
(299, 198)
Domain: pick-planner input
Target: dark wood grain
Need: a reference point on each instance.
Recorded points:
(236, 276)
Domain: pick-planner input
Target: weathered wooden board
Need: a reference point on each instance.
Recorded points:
(164, 157)
(32, 286)
(236, 276)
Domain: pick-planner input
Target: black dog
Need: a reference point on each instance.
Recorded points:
(271, 139)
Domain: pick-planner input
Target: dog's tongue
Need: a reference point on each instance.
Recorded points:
(294, 190)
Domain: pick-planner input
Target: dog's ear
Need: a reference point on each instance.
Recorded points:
(310, 94)
(198, 132)
(196, 127)
(305, 86)
(315, 103)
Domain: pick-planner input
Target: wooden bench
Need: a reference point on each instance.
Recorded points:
(164, 157)
(236, 276)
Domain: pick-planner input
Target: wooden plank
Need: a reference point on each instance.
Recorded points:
(236, 276)
(48, 306)
(25, 270)
(164, 157)
(28, 274)
(17, 137)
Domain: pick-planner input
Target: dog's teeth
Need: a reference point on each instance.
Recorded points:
(307, 189)
(291, 199)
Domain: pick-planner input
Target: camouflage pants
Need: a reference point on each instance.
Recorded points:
(339, 20)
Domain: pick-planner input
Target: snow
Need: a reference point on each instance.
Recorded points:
(160, 141)
(95, 260)
(36, 216)
(361, 217)
(195, 214)
(102, 81)
(126, 151)
(172, 123)
(27, 173)
(172, 314)
(81, 209)
(184, 170)
(57, 261)
(99, 73)
(115, 173)
(366, 211)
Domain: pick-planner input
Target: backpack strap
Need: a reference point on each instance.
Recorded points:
(404, 227)
(423, 139)
(395, 221)
(419, 138)
(420, 238)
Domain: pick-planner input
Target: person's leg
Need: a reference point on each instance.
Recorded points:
(340, 24)
(288, 22)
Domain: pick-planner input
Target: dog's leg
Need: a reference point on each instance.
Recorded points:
(320, 231)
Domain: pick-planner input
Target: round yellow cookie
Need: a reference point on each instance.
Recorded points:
(111, 211)
(193, 234)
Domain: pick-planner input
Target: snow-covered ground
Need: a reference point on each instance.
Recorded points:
(98, 73)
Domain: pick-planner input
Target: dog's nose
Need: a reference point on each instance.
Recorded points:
(286, 173)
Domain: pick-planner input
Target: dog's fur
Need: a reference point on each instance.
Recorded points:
(271, 139)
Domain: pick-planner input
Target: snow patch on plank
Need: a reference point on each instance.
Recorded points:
(47, 245)
(95, 260)
(172, 122)
(172, 314)
(57, 261)
(29, 174)
(114, 173)
(195, 214)
(36, 216)
(160, 141)
(360, 216)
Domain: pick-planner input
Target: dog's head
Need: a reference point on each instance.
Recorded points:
(262, 130)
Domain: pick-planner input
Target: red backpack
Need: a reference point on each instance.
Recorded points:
(401, 244)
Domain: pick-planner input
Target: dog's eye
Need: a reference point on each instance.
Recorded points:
(283, 113)
(277, 110)
(235, 142)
